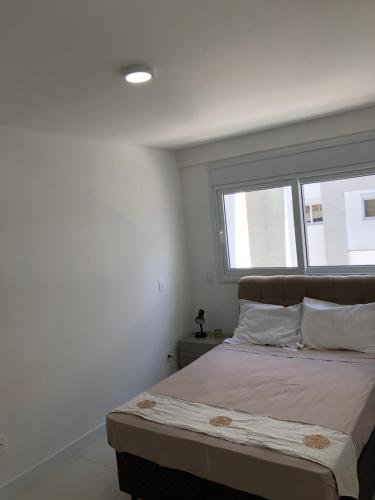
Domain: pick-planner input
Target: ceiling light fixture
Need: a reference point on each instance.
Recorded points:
(137, 73)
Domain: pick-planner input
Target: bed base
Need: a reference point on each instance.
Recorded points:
(145, 480)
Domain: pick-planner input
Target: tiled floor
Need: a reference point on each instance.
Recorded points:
(90, 475)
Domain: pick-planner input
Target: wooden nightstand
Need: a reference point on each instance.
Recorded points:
(190, 348)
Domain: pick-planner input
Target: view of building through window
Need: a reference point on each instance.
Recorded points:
(260, 228)
(313, 213)
(345, 234)
(339, 218)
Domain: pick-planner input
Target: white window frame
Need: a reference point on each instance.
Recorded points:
(233, 274)
(296, 181)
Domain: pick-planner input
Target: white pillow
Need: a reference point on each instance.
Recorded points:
(326, 325)
(268, 324)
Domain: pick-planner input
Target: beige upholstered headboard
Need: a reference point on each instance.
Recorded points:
(287, 290)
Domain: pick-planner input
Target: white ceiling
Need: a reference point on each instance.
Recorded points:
(222, 67)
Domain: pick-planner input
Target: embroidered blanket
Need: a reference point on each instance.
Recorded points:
(331, 448)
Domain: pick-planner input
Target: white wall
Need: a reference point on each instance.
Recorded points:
(220, 299)
(317, 247)
(312, 130)
(358, 257)
(86, 230)
(360, 231)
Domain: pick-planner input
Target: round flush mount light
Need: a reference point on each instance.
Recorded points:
(137, 73)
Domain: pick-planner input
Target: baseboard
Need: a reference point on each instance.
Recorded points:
(9, 490)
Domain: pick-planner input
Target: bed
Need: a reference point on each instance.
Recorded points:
(334, 389)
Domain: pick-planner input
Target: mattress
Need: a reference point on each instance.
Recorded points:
(333, 389)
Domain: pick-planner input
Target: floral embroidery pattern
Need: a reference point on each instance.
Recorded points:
(146, 403)
(316, 441)
(220, 421)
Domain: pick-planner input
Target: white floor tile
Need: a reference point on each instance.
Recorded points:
(76, 479)
(101, 453)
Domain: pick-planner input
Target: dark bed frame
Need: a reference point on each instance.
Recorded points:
(145, 480)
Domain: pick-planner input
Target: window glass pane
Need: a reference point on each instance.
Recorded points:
(369, 206)
(341, 228)
(260, 228)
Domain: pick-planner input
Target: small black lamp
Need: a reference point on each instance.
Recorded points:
(199, 320)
